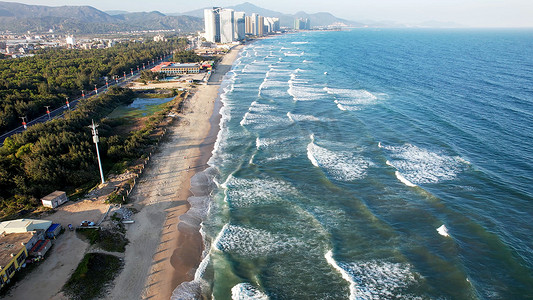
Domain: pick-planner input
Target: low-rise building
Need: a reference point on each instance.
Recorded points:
(172, 68)
(54, 199)
(24, 225)
(13, 254)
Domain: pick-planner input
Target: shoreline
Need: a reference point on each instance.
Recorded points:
(174, 253)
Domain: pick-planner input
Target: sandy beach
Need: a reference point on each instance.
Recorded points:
(159, 257)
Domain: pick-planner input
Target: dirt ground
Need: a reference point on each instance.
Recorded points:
(46, 281)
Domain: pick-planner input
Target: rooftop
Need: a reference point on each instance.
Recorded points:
(11, 244)
(168, 64)
(53, 195)
(23, 225)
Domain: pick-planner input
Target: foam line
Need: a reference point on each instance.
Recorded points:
(403, 179)
(344, 274)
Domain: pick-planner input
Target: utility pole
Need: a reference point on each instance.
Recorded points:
(95, 140)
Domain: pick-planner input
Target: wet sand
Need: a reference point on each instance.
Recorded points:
(159, 256)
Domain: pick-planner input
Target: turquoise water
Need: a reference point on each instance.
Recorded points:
(375, 164)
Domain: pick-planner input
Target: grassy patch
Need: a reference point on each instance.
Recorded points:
(109, 240)
(92, 276)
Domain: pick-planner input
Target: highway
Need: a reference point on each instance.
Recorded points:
(59, 112)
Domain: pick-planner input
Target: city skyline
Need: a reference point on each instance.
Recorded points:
(471, 13)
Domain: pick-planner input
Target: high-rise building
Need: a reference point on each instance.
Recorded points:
(255, 24)
(248, 25)
(302, 24)
(260, 25)
(212, 24)
(240, 25)
(227, 25)
(271, 25)
(224, 25)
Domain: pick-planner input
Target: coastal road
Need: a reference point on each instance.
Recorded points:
(60, 112)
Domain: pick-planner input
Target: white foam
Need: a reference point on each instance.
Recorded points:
(418, 166)
(352, 99)
(442, 230)
(299, 43)
(341, 165)
(376, 279)
(252, 242)
(298, 118)
(300, 92)
(246, 291)
(279, 157)
(249, 192)
(294, 54)
(265, 142)
(403, 179)
(344, 274)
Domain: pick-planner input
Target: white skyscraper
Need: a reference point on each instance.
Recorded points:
(212, 25)
(272, 24)
(227, 25)
(240, 25)
(255, 24)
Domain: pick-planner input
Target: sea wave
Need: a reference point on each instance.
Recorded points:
(251, 242)
(376, 279)
(416, 165)
(341, 165)
(246, 291)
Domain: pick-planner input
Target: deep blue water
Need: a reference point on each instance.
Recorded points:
(341, 154)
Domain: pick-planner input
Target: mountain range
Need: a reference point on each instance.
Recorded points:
(20, 18)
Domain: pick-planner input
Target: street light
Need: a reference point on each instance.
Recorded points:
(48, 111)
(95, 140)
(24, 122)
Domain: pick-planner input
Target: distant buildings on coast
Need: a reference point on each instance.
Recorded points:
(302, 24)
(223, 25)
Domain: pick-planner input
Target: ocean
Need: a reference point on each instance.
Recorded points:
(374, 164)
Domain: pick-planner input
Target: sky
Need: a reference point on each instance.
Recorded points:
(472, 13)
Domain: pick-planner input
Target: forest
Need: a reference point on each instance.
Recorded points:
(59, 154)
(29, 84)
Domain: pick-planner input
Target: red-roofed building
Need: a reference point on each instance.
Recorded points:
(172, 68)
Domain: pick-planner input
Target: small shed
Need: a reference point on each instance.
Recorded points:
(53, 230)
(54, 199)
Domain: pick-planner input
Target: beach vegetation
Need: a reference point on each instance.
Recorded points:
(92, 276)
(104, 238)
